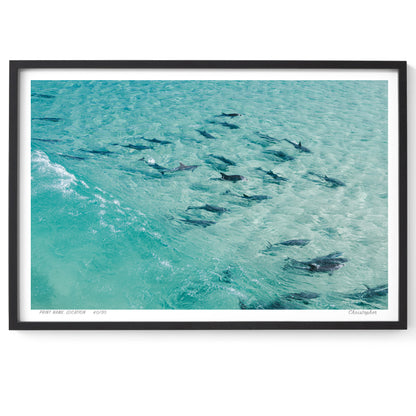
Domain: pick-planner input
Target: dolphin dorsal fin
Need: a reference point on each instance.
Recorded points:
(368, 287)
(223, 174)
(181, 164)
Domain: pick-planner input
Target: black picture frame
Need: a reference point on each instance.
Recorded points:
(17, 66)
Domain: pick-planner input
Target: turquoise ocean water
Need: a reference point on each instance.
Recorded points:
(110, 224)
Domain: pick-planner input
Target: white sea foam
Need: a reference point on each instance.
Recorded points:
(100, 198)
(58, 177)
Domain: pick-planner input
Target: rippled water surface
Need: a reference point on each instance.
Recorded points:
(111, 227)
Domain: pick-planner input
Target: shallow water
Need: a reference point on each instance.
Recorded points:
(107, 229)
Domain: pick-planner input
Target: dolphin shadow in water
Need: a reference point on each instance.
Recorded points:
(210, 208)
(71, 157)
(276, 304)
(281, 156)
(206, 134)
(157, 141)
(219, 163)
(225, 124)
(200, 223)
(248, 197)
(272, 248)
(138, 147)
(223, 159)
(303, 297)
(330, 182)
(297, 242)
(268, 138)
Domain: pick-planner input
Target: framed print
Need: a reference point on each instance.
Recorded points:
(208, 195)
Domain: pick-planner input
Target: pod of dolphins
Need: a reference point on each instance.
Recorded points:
(324, 264)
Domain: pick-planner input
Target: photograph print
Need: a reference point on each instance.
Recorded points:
(260, 197)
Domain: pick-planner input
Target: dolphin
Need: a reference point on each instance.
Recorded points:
(325, 264)
(232, 115)
(202, 223)
(154, 165)
(277, 178)
(330, 259)
(256, 197)
(97, 152)
(210, 208)
(276, 304)
(333, 258)
(136, 146)
(280, 155)
(224, 160)
(47, 140)
(249, 197)
(297, 242)
(369, 293)
(71, 157)
(53, 119)
(302, 295)
(206, 134)
(325, 267)
(157, 141)
(332, 182)
(267, 137)
(291, 243)
(180, 168)
(298, 146)
(42, 95)
(232, 178)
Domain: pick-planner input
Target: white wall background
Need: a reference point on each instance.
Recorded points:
(206, 373)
